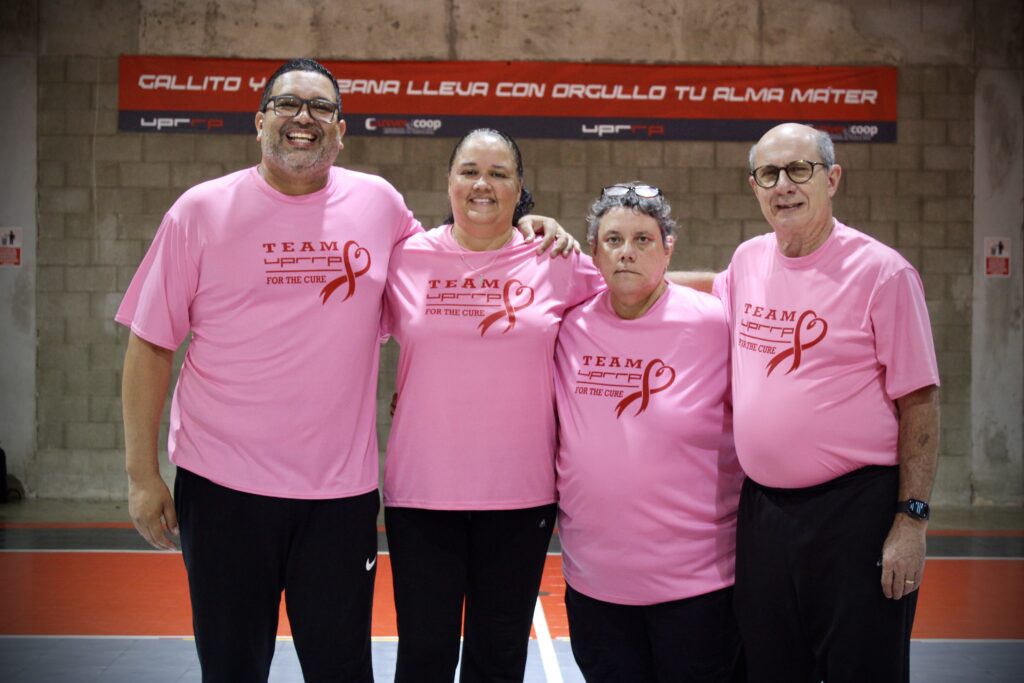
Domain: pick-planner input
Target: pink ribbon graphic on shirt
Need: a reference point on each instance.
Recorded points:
(350, 275)
(510, 308)
(798, 346)
(659, 368)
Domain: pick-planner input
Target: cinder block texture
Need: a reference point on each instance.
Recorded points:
(384, 29)
(102, 193)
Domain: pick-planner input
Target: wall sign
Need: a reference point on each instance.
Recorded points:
(11, 247)
(525, 99)
(997, 257)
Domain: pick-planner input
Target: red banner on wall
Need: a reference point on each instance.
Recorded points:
(526, 99)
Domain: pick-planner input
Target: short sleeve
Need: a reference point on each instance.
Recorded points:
(410, 225)
(903, 334)
(586, 279)
(156, 305)
(722, 288)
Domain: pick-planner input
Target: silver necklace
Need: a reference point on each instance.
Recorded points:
(462, 251)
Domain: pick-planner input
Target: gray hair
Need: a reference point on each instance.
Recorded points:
(656, 207)
(826, 150)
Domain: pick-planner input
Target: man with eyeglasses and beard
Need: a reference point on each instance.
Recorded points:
(276, 274)
(836, 425)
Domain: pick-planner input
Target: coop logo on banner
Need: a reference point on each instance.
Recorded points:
(399, 126)
(525, 99)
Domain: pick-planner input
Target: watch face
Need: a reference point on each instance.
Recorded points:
(918, 508)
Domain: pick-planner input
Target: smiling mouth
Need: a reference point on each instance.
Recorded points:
(788, 207)
(301, 136)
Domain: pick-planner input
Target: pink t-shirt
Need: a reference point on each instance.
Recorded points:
(648, 481)
(475, 423)
(282, 296)
(823, 345)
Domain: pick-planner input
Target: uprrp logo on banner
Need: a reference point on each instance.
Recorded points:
(526, 99)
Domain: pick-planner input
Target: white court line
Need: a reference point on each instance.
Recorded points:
(548, 658)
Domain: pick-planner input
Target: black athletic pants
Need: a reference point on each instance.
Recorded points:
(808, 594)
(492, 560)
(242, 550)
(693, 640)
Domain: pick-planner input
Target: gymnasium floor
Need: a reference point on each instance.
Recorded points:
(83, 599)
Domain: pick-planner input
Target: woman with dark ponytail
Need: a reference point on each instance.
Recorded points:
(469, 478)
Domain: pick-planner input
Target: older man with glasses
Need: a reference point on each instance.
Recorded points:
(836, 422)
(275, 273)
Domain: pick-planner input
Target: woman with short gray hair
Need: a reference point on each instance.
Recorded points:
(648, 479)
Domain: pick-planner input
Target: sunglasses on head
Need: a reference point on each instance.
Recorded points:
(639, 191)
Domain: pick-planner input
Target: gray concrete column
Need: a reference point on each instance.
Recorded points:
(997, 339)
(18, 283)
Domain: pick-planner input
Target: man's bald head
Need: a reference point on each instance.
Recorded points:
(794, 177)
(826, 150)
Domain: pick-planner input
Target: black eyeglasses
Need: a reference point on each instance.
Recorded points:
(799, 172)
(638, 191)
(288, 106)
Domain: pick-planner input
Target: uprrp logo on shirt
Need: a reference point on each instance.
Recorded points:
(315, 263)
(471, 297)
(781, 334)
(632, 380)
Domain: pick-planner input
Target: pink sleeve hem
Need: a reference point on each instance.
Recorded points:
(151, 338)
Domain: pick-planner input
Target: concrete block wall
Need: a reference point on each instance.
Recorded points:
(101, 193)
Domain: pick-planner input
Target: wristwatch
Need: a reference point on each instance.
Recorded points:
(918, 509)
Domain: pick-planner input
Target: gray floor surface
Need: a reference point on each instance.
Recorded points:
(146, 660)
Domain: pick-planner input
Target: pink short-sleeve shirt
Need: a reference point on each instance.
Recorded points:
(648, 479)
(822, 346)
(474, 428)
(282, 297)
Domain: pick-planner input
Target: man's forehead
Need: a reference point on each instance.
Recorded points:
(293, 81)
(786, 147)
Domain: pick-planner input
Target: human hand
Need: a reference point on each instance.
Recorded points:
(152, 511)
(554, 235)
(903, 557)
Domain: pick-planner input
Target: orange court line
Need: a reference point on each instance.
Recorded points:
(121, 594)
(67, 525)
(972, 599)
(146, 594)
(1008, 533)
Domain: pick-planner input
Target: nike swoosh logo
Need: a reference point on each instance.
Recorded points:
(369, 564)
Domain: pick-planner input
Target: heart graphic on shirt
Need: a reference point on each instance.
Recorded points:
(807, 322)
(657, 377)
(514, 297)
(350, 253)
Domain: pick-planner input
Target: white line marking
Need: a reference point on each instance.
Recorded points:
(548, 658)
